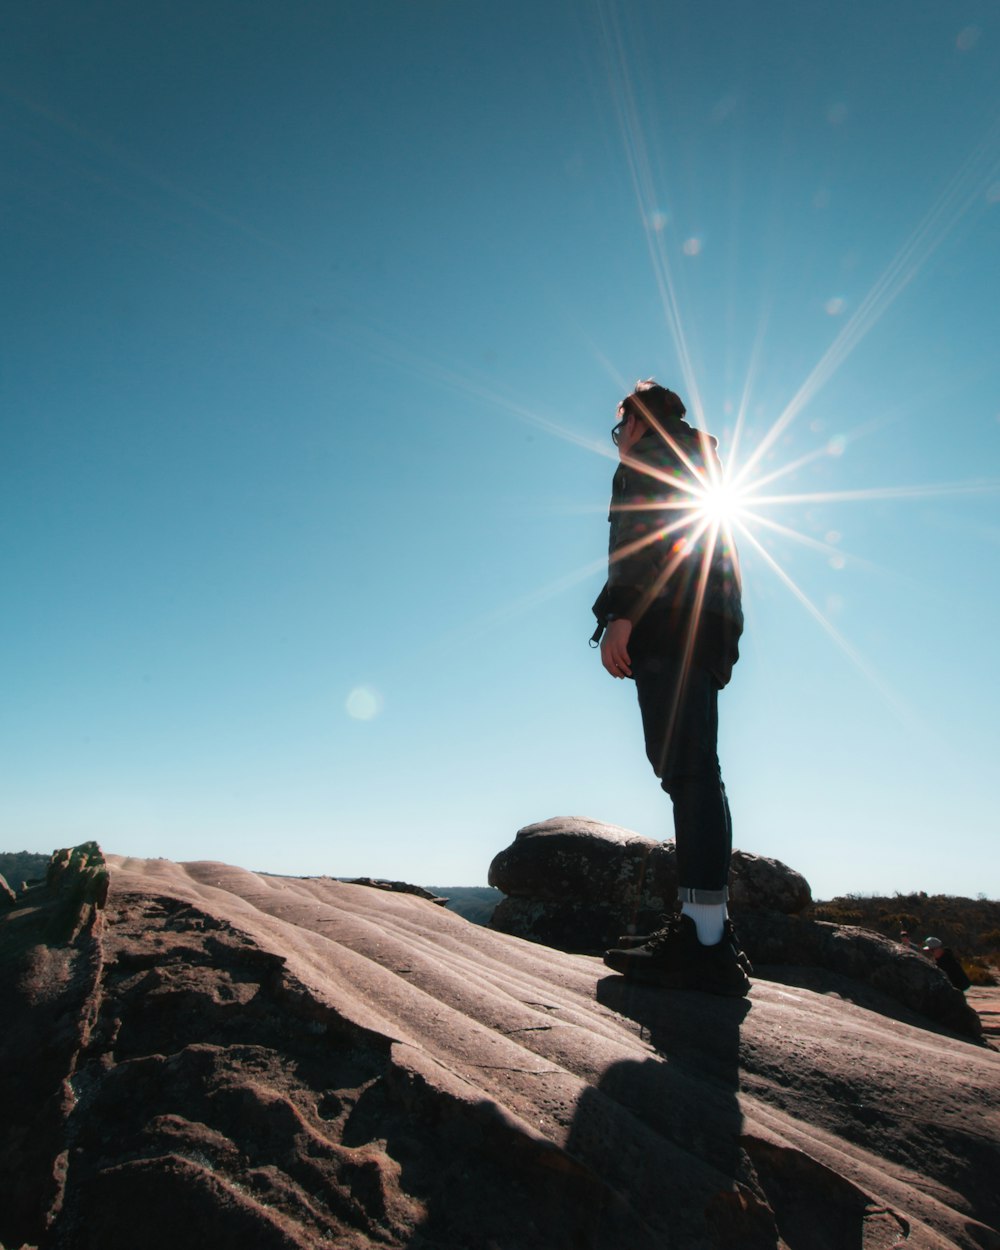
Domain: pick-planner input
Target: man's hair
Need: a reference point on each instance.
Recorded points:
(651, 401)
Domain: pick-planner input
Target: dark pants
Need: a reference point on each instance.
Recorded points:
(680, 719)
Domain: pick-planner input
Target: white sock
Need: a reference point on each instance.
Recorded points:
(708, 920)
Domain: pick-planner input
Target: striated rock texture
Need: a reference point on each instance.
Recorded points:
(577, 884)
(209, 1057)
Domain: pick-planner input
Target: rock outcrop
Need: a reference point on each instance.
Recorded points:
(577, 884)
(213, 1058)
(867, 968)
(398, 887)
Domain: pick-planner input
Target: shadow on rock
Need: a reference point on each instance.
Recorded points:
(649, 1159)
(484, 1180)
(669, 1127)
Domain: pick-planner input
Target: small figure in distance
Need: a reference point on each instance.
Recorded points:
(904, 940)
(946, 961)
(671, 618)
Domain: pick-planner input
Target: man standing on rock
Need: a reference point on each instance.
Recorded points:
(672, 618)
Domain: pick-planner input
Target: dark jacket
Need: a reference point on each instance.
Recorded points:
(953, 970)
(666, 568)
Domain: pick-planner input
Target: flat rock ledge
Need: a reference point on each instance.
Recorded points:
(577, 884)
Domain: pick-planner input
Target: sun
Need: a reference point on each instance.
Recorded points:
(720, 503)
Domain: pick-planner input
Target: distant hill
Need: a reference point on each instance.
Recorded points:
(474, 902)
(970, 926)
(18, 866)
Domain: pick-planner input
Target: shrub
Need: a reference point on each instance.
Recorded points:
(904, 921)
(978, 973)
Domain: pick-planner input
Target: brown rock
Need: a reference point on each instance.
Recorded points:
(398, 887)
(985, 1001)
(77, 880)
(576, 883)
(572, 858)
(757, 883)
(50, 965)
(858, 956)
(231, 1060)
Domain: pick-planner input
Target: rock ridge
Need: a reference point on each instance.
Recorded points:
(220, 1058)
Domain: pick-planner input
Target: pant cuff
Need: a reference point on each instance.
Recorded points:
(686, 894)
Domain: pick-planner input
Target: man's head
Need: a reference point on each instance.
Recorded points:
(933, 946)
(649, 405)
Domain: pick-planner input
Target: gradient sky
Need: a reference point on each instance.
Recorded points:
(315, 318)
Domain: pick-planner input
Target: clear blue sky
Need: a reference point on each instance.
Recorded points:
(315, 318)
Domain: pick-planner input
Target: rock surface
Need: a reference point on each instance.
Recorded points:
(214, 1058)
(577, 884)
(985, 1001)
(874, 970)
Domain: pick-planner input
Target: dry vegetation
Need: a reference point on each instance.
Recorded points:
(971, 927)
(16, 867)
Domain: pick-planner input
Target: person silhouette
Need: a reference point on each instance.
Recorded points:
(946, 961)
(671, 619)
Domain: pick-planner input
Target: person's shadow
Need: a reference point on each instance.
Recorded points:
(668, 1127)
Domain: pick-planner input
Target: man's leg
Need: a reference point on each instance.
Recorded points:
(680, 720)
(698, 949)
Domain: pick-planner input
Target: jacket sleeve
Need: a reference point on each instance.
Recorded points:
(635, 546)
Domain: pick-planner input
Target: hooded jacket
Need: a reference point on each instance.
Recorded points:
(670, 569)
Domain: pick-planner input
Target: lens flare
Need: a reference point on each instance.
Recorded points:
(700, 512)
(720, 503)
(363, 703)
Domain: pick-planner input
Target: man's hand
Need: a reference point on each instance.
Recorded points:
(614, 648)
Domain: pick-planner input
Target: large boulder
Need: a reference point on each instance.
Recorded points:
(788, 947)
(577, 884)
